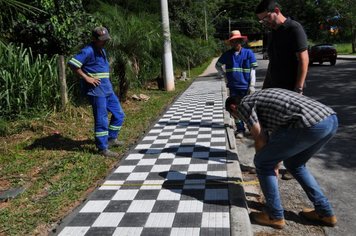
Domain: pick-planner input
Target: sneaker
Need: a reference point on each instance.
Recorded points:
(108, 153)
(239, 134)
(115, 143)
(263, 218)
(311, 215)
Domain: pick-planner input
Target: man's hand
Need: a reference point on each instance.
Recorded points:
(251, 90)
(92, 80)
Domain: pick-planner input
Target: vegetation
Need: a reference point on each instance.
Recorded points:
(55, 159)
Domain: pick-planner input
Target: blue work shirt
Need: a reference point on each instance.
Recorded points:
(93, 61)
(238, 67)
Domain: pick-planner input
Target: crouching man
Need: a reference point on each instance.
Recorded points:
(299, 127)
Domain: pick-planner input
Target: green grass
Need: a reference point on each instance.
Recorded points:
(55, 159)
(343, 48)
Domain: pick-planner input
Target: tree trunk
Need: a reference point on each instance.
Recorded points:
(124, 83)
(62, 80)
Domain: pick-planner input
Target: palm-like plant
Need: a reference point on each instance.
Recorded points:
(134, 47)
(9, 9)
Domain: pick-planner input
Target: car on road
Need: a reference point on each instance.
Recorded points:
(322, 53)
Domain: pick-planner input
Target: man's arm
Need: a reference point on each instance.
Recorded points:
(219, 68)
(303, 62)
(259, 136)
(90, 80)
(251, 88)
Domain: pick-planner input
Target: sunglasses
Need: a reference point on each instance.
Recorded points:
(266, 18)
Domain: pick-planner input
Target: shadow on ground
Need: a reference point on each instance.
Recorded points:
(58, 142)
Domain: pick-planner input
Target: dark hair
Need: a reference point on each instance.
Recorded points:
(232, 100)
(266, 5)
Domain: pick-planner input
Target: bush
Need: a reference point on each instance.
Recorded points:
(28, 83)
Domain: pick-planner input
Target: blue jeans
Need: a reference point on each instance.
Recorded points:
(103, 129)
(294, 146)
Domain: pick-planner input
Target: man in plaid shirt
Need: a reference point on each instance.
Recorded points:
(299, 127)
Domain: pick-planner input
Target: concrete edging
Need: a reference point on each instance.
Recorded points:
(239, 217)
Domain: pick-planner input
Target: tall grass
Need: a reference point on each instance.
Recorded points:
(28, 82)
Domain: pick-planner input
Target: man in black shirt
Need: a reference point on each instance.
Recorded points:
(287, 49)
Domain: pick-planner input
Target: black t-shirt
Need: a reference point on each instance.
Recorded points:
(284, 43)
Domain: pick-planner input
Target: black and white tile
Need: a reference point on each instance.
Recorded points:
(174, 182)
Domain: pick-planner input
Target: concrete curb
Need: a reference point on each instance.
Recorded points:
(346, 57)
(239, 218)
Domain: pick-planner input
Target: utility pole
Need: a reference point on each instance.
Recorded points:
(168, 75)
(206, 22)
(229, 27)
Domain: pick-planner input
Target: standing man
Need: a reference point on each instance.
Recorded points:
(240, 64)
(299, 128)
(287, 49)
(92, 65)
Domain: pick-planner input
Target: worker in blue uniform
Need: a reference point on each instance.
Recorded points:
(92, 65)
(240, 64)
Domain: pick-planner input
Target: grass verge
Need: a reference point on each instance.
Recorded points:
(54, 158)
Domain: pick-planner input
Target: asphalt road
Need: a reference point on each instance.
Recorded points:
(335, 165)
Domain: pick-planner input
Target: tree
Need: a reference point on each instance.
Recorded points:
(58, 29)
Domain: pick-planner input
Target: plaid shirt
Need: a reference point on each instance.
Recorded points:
(276, 108)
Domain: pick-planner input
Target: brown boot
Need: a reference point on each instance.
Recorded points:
(311, 215)
(264, 219)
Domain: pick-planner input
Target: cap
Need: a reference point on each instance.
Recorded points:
(101, 33)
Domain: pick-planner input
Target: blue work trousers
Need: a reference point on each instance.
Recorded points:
(104, 130)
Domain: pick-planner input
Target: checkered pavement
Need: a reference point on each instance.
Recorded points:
(175, 180)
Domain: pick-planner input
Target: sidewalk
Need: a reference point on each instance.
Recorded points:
(346, 57)
(181, 179)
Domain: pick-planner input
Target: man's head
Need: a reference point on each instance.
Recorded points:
(100, 36)
(231, 104)
(269, 14)
(236, 40)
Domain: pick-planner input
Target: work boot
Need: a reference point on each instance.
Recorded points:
(115, 143)
(263, 218)
(108, 153)
(311, 215)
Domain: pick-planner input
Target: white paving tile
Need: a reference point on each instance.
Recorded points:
(74, 231)
(108, 219)
(185, 232)
(181, 161)
(190, 206)
(147, 162)
(95, 206)
(169, 194)
(138, 176)
(127, 231)
(134, 156)
(141, 206)
(124, 169)
(125, 194)
(160, 220)
(198, 167)
(160, 168)
(166, 156)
